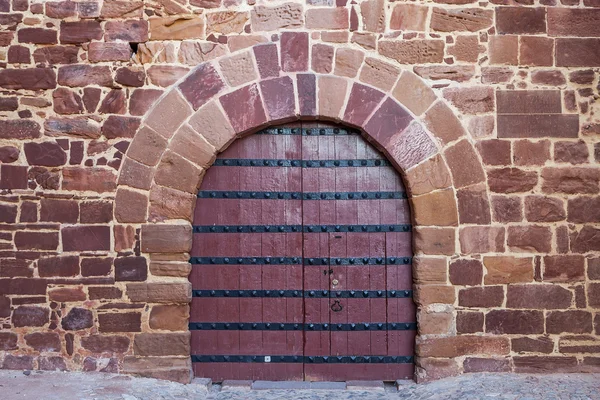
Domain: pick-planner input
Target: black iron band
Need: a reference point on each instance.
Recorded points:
(213, 194)
(271, 326)
(308, 131)
(305, 359)
(243, 162)
(299, 260)
(299, 228)
(317, 294)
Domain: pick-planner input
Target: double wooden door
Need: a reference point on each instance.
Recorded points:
(302, 261)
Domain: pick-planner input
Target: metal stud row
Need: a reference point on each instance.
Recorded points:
(211, 194)
(299, 260)
(267, 326)
(299, 228)
(242, 162)
(305, 359)
(344, 294)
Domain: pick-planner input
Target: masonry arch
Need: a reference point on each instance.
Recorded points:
(208, 109)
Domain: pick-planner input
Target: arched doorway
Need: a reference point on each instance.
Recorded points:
(301, 261)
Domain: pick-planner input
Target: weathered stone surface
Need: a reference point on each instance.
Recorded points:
(413, 51)
(466, 272)
(133, 31)
(78, 319)
(30, 316)
(121, 322)
(511, 180)
(436, 208)
(484, 297)
(8, 341)
(131, 269)
(178, 27)
(409, 17)
(471, 100)
(48, 154)
(284, 16)
(428, 176)
(481, 239)
(507, 269)
(226, 22)
(172, 318)
(466, 19)
(80, 31)
(85, 238)
(464, 164)
(162, 344)
(93, 179)
(105, 344)
(28, 79)
(435, 241)
(570, 180)
(463, 345)
(519, 20)
(166, 238)
(502, 322)
(84, 75)
(538, 296)
(160, 292)
(413, 93)
(457, 73)
(78, 127)
(544, 209)
(101, 52)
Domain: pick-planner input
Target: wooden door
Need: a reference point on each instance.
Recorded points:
(302, 261)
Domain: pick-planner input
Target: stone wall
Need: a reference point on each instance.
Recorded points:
(500, 162)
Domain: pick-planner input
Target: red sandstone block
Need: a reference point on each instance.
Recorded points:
(503, 322)
(577, 52)
(307, 94)
(28, 79)
(466, 272)
(389, 119)
(104, 292)
(327, 18)
(294, 51)
(93, 179)
(544, 209)
(28, 240)
(485, 297)
(464, 165)
(141, 100)
(322, 58)
(84, 75)
(96, 266)
(121, 322)
(85, 238)
(166, 238)
(545, 364)
(80, 31)
(454, 346)
(30, 316)
(105, 344)
(537, 51)
(361, 103)
(37, 36)
(59, 210)
(473, 364)
(58, 266)
(520, 20)
(528, 101)
(469, 322)
(135, 31)
(279, 99)
(131, 269)
(548, 296)
(267, 60)
(572, 321)
(201, 85)
(511, 180)
(13, 177)
(244, 108)
(538, 126)
(100, 52)
(573, 22)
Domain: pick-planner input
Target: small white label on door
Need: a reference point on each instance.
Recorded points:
(267, 358)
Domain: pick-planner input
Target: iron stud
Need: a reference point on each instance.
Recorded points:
(322, 131)
(393, 293)
(213, 229)
(324, 261)
(352, 293)
(365, 195)
(353, 326)
(350, 162)
(309, 131)
(213, 194)
(254, 293)
(226, 229)
(392, 260)
(352, 261)
(365, 293)
(337, 195)
(240, 229)
(336, 163)
(406, 260)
